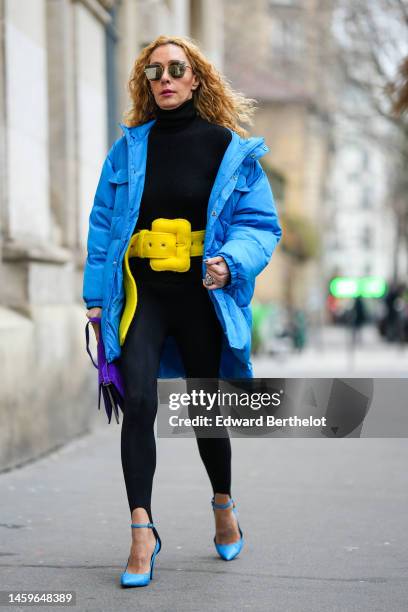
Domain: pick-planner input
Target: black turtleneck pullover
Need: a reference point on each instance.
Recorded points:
(184, 153)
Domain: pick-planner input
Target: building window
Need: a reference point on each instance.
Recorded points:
(367, 237)
(364, 159)
(112, 101)
(286, 36)
(366, 199)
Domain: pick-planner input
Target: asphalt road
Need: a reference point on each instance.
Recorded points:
(324, 522)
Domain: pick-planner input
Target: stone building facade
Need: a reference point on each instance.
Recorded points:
(64, 67)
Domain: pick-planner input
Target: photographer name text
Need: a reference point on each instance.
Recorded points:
(259, 421)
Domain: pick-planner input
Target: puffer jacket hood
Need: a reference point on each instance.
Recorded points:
(242, 227)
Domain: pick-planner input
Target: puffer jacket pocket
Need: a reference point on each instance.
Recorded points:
(121, 179)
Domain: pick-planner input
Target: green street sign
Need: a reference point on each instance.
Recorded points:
(352, 287)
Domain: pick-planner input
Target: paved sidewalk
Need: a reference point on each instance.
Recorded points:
(329, 354)
(324, 523)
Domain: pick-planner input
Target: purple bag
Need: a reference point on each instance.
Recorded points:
(110, 381)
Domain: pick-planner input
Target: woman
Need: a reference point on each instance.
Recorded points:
(183, 221)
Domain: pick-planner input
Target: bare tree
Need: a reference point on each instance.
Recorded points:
(372, 60)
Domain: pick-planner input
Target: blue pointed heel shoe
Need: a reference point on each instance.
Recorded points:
(228, 551)
(128, 579)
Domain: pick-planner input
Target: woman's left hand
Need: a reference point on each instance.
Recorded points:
(217, 273)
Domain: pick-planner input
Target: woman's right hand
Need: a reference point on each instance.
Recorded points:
(95, 312)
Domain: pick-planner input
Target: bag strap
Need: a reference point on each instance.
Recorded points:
(91, 320)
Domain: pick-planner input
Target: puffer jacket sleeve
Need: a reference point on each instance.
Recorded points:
(100, 220)
(254, 230)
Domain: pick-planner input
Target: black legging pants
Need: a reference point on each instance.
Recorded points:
(186, 312)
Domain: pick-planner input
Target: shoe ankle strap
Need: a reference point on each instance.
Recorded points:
(222, 506)
(142, 525)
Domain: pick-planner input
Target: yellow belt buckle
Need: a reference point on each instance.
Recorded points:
(180, 261)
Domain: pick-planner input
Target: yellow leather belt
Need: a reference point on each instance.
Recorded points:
(169, 245)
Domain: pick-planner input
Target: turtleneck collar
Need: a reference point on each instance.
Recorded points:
(174, 119)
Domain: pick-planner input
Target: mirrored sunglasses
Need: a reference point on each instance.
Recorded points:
(176, 69)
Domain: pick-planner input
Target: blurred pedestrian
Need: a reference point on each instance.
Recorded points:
(395, 315)
(299, 329)
(358, 317)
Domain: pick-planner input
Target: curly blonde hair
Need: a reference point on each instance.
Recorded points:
(214, 98)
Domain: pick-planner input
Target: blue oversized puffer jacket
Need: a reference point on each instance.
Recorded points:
(242, 226)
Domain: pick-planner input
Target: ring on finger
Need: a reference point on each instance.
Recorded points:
(209, 279)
